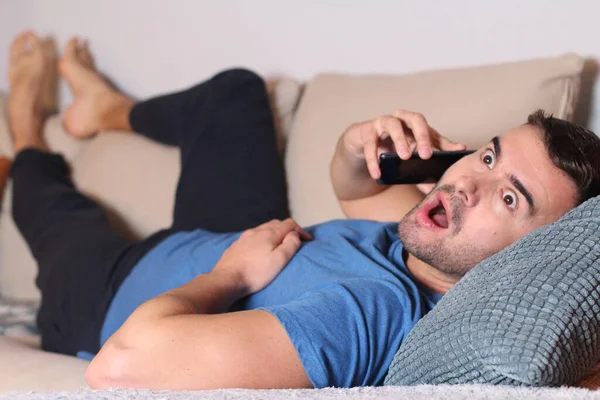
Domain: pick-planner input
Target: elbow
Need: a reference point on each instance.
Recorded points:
(113, 368)
(96, 378)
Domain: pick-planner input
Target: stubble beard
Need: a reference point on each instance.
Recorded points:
(455, 259)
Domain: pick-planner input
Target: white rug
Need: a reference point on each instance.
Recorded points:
(446, 392)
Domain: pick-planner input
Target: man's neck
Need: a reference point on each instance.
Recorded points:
(428, 276)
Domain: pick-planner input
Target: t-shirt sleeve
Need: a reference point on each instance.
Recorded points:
(346, 334)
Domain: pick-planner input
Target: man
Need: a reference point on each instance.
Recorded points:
(277, 306)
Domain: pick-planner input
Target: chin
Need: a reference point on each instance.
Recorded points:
(446, 253)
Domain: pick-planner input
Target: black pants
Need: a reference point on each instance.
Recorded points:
(231, 179)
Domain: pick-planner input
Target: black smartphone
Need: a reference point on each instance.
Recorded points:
(396, 171)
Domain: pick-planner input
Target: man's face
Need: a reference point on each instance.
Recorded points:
(486, 201)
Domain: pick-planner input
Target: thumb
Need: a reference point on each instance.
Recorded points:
(458, 146)
(425, 188)
(448, 145)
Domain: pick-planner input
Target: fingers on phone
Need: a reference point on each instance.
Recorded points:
(420, 129)
(391, 126)
(370, 139)
(425, 188)
(448, 145)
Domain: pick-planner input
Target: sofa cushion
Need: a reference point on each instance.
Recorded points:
(469, 105)
(24, 367)
(529, 315)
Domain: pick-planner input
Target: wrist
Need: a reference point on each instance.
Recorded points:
(346, 163)
(349, 151)
(230, 281)
(350, 174)
(211, 293)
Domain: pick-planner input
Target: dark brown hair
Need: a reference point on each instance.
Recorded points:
(572, 148)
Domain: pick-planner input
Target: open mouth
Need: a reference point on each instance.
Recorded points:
(438, 216)
(435, 215)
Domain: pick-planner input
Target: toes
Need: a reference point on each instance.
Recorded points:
(71, 48)
(32, 43)
(49, 47)
(78, 50)
(24, 43)
(28, 41)
(17, 49)
(68, 56)
(85, 55)
(21, 38)
(33, 40)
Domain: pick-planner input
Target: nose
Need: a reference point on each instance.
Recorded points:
(466, 189)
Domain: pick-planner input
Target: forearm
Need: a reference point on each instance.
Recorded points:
(210, 293)
(350, 176)
(128, 359)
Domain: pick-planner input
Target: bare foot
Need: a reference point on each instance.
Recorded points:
(27, 64)
(95, 102)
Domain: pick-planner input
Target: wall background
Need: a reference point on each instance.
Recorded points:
(151, 46)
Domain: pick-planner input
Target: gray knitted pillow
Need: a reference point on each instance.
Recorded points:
(529, 315)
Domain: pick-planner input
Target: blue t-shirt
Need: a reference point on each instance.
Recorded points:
(346, 299)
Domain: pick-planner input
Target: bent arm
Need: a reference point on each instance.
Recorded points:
(179, 341)
(355, 169)
(350, 176)
(361, 197)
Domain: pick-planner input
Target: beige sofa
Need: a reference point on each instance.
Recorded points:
(135, 178)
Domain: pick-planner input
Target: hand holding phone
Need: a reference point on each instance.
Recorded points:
(395, 171)
(402, 132)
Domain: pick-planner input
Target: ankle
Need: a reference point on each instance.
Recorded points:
(22, 143)
(115, 112)
(23, 109)
(27, 133)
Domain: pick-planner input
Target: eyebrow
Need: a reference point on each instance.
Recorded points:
(497, 148)
(514, 180)
(519, 185)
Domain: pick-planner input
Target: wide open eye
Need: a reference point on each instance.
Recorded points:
(510, 199)
(488, 158)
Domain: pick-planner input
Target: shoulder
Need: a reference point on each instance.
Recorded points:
(346, 333)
